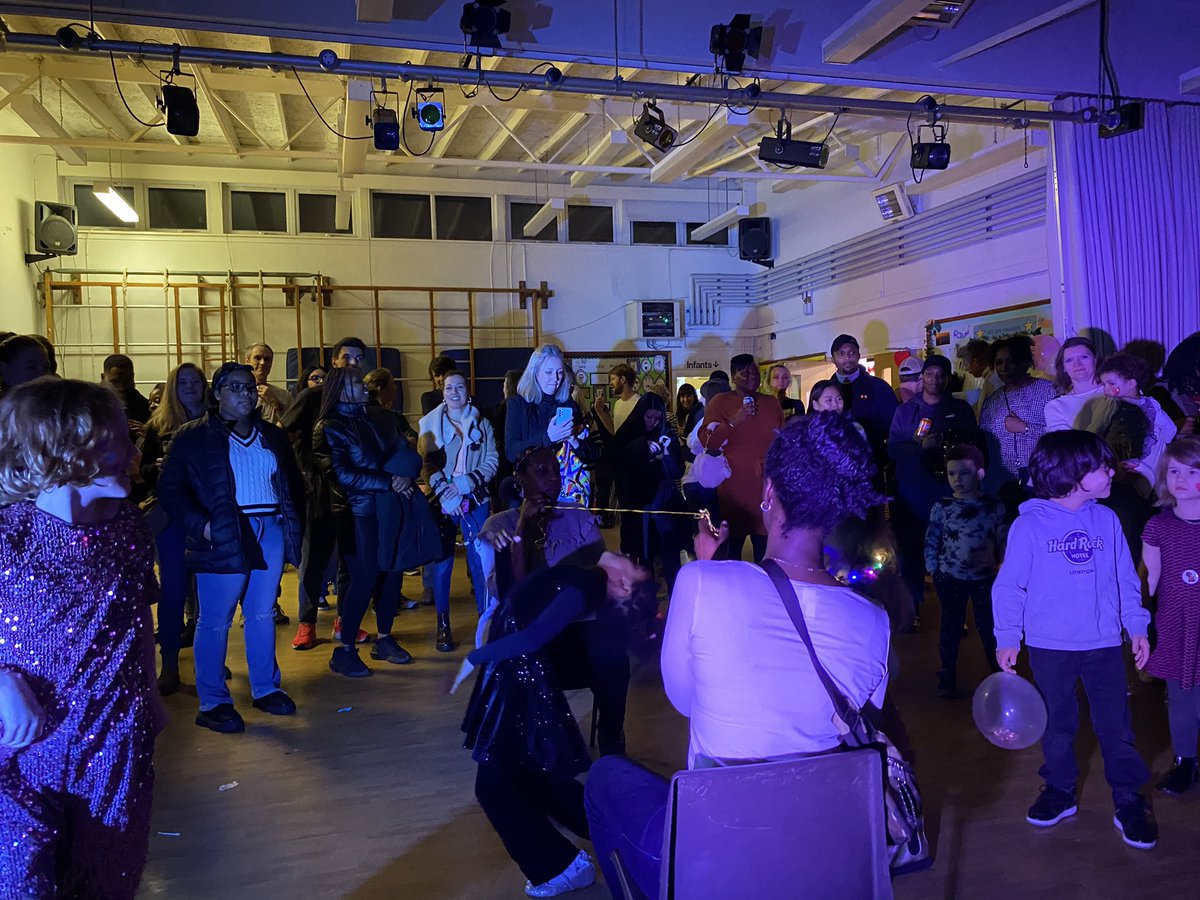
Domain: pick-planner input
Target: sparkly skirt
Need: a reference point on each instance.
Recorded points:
(518, 717)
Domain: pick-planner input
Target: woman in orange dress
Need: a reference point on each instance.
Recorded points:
(742, 424)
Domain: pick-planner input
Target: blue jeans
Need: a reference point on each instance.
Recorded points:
(1104, 680)
(438, 573)
(219, 596)
(626, 809)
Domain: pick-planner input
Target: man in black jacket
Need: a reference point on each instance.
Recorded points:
(872, 400)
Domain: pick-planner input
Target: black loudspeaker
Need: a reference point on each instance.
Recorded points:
(54, 229)
(754, 239)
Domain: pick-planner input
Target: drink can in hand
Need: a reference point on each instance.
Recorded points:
(923, 428)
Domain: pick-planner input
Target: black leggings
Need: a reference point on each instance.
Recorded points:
(360, 552)
(520, 804)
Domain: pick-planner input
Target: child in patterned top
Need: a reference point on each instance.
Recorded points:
(963, 546)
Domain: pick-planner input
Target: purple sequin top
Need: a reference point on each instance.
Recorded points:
(75, 622)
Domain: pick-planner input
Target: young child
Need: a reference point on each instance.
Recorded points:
(1171, 552)
(1069, 584)
(78, 705)
(1122, 375)
(963, 546)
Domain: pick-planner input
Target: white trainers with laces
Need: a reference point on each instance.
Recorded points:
(579, 874)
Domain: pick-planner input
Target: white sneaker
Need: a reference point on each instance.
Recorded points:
(579, 874)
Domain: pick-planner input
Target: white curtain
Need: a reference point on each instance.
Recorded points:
(1128, 213)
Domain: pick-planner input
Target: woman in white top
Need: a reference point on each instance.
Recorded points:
(732, 661)
(1075, 378)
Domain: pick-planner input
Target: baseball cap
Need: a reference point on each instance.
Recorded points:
(840, 340)
(935, 359)
(911, 367)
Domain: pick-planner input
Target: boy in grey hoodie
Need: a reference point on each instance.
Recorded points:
(1069, 585)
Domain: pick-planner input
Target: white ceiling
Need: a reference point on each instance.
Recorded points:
(262, 119)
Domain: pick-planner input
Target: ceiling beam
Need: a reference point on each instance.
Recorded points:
(562, 135)
(508, 129)
(280, 112)
(680, 159)
(44, 125)
(454, 119)
(99, 112)
(1189, 82)
(215, 103)
(864, 30)
(352, 156)
(604, 150)
(16, 88)
(1052, 15)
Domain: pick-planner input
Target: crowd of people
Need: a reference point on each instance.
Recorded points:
(1031, 502)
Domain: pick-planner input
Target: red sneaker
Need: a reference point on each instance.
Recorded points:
(306, 637)
(361, 638)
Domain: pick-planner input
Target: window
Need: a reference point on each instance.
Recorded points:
(720, 239)
(94, 214)
(590, 224)
(177, 208)
(258, 211)
(464, 218)
(401, 216)
(318, 215)
(519, 214)
(652, 232)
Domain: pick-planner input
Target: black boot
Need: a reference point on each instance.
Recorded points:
(445, 640)
(1181, 777)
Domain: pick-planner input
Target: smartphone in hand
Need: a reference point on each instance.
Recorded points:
(563, 415)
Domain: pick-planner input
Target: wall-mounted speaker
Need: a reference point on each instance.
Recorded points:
(54, 229)
(754, 239)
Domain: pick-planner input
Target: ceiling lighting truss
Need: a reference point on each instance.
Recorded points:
(536, 81)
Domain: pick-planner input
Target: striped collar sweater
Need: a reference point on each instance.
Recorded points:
(254, 469)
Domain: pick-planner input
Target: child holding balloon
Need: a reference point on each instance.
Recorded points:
(1171, 553)
(1068, 583)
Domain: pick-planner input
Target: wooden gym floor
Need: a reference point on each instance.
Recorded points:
(367, 792)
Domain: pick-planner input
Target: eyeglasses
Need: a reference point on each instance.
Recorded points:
(239, 387)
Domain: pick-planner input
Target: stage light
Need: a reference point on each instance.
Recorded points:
(553, 76)
(386, 126)
(933, 154)
(117, 205)
(429, 109)
(178, 106)
(652, 128)
(732, 43)
(483, 21)
(783, 151)
(1122, 119)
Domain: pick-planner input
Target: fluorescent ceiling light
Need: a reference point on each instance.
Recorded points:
(543, 216)
(724, 220)
(117, 205)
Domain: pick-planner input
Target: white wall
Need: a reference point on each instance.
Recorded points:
(28, 175)
(888, 311)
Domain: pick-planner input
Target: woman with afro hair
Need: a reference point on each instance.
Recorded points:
(732, 661)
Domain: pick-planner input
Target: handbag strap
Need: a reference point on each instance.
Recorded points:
(846, 711)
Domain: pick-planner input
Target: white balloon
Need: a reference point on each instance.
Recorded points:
(1009, 711)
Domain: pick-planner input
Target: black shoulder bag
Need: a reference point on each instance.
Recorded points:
(908, 846)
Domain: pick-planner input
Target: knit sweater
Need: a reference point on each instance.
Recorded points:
(254, 469)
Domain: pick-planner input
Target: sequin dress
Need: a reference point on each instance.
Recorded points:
(75, 622)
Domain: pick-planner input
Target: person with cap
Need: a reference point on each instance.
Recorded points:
(872, 400)
(910, 378)
(922, 429)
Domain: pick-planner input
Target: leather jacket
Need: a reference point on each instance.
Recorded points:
(351, 451)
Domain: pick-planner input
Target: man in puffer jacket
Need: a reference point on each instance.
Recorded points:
(459, 449)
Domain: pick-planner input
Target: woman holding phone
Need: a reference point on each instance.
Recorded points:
(542, 414)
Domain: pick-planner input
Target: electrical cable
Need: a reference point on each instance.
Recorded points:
(716, 109)
(345, 137)
(120, 93)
